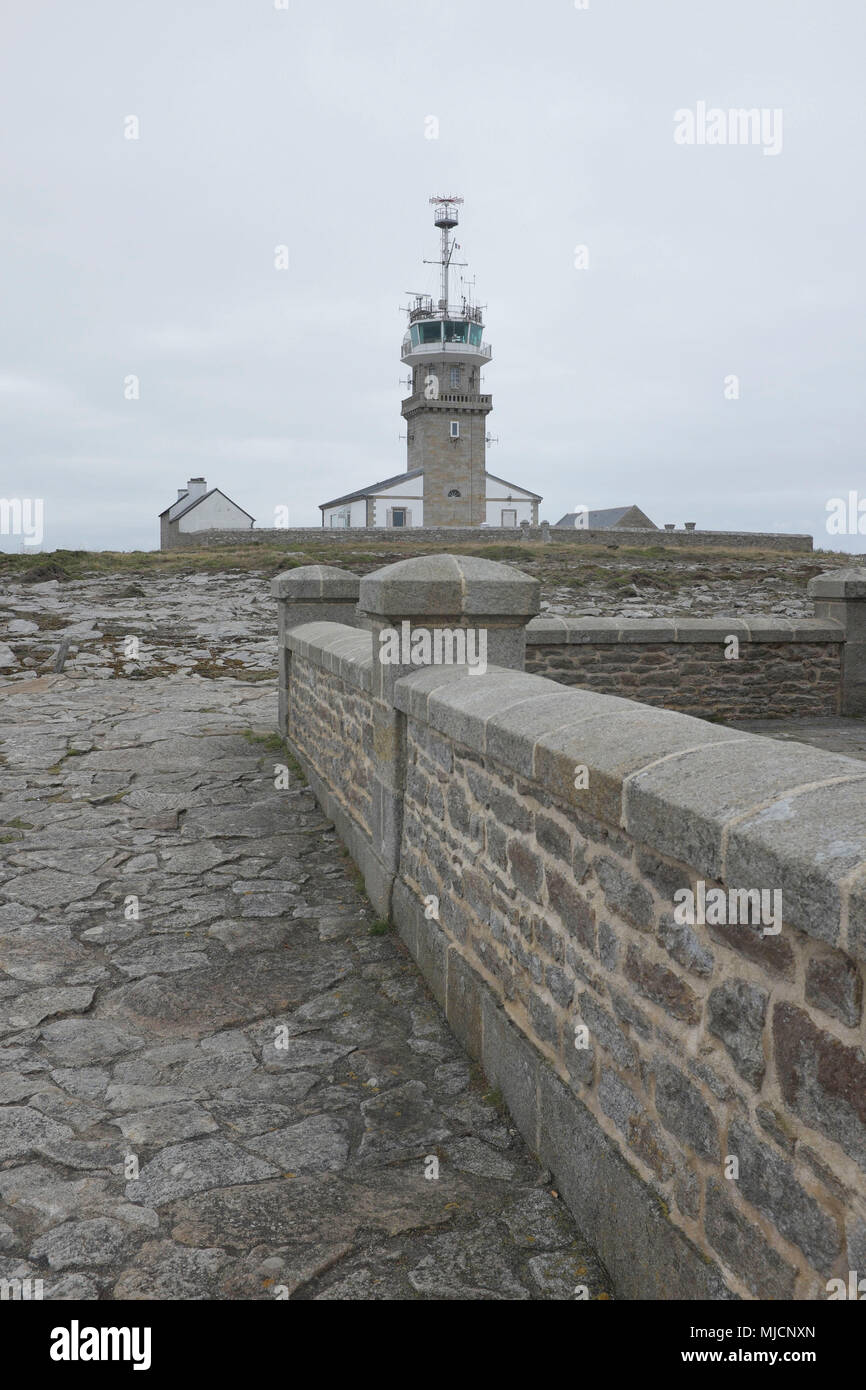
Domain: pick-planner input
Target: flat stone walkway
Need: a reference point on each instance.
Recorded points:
(219, 1076)
(833, 733)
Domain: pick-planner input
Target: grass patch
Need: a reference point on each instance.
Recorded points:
(295, 767)
(495, 1098)
(253, 676)
(505, 551)
(265, 559)
(68, 565)
(272, 743)
(275, 743)
(380, 928)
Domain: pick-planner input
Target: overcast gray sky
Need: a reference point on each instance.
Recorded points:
(307, 126)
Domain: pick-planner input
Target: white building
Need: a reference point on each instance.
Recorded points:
(399, 501)
(199, 508)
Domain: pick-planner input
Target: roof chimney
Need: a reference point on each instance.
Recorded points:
(181, 492)
(196, 487)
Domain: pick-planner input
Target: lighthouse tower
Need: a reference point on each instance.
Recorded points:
(446, 412)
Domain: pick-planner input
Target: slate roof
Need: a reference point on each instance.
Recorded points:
(609, 517)
(194, 501)
(400, 477)
(374, 487)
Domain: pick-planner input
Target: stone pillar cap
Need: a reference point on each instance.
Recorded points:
(449, 586)
(315, 581)
(847, 583)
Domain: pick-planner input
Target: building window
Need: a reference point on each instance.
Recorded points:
(509, 516)
(454, 492)
(431, 332)
(455, 429)
(342, 518)
(455, 376)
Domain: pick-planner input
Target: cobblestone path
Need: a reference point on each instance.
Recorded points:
(168, 916)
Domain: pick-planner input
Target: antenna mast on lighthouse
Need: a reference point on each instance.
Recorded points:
(445, 218)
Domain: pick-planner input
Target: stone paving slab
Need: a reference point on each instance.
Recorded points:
(833, 733)
(219, 1077)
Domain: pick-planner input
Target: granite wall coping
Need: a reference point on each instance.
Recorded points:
(456, 586)
(840, 584)
(553, 629)
(324, 582)
(345, 651)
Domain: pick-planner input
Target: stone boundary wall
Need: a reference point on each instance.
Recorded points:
(332, 721)
(783, 669)
(710, 1136)
(779, 668)
(475, 535)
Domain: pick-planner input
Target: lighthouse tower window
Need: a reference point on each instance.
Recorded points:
(455, 429)
(454, 492)
(455, 376)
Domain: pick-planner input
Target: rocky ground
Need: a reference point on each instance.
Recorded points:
(220, 1077)
(198, 624)
(184, 615)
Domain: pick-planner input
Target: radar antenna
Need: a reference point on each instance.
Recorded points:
(446, 219)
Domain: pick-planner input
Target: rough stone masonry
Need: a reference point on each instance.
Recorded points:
(697, 1087)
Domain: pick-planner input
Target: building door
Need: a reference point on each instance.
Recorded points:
(398, 517)
(509, 516)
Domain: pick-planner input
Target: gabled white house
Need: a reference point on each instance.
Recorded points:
(399, 501)
(199, 508)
